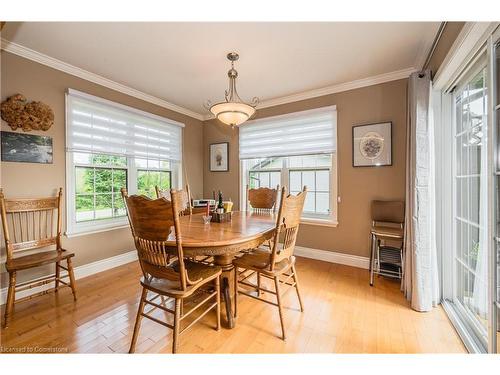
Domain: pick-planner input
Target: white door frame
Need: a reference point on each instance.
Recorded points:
(473, 40)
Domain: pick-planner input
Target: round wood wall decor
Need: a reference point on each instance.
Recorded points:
(18, 113)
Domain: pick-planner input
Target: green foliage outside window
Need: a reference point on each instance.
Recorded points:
(98, 185)
(147, 180)
(98, 188)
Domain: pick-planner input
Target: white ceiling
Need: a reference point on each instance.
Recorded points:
(185, 63)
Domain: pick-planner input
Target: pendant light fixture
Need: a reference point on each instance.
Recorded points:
(233, 111)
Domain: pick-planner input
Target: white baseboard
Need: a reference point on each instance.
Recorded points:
(118, 260)
(80, 272)
(333, 257)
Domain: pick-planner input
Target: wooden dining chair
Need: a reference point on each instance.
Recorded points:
(185, 207)
(35, 226)
(262, 200)
(151, 222)
(277, 263)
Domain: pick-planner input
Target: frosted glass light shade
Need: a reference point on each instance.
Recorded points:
(232, 113)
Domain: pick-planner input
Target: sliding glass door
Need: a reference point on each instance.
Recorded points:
(470, 251)
(496, 161)
(466, 104)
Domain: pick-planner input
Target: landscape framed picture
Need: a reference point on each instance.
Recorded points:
(219, 157)
(372, 145)
(26, 148)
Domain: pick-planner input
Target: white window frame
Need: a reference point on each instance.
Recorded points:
(312, 219)
(74, 228)
(474, 39)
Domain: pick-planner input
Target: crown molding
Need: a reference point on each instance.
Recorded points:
(43, 59)
(328, 90)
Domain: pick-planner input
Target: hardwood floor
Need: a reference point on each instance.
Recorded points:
(343, 314)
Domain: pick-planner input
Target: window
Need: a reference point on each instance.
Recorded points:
(151, 173)
(496, 146)
(110, 146)
(294, 150)
(470, 258)
(98, 180)
(464, 246)
(468, 163)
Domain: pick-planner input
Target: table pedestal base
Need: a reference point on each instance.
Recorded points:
(227, 285)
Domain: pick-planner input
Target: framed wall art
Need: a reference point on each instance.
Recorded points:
(372, 145)
(26, 148)
(219, 157)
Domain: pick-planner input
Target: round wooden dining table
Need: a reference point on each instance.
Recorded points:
(223, 241)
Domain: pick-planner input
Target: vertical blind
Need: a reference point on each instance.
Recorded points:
(301, 133)
(99, 126)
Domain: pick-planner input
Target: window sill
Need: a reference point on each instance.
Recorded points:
(93, 229)
(319, 222)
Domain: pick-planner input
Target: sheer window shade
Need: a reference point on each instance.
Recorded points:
(301, 133)
(99, 126)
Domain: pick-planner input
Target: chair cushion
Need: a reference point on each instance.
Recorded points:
(260, 259)
(37, 259)
(196, 271)
(388, 232)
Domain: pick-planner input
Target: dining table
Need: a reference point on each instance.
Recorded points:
(223, 241)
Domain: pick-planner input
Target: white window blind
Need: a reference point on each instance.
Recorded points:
(301, 133)
(97, 125)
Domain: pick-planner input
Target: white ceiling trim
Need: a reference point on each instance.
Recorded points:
(359, 83)
(41, 58)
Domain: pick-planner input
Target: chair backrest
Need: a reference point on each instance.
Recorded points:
(151, 222)
(186, 207)
(287, 225)
(388, 212)
(31, 223)
(262, 200)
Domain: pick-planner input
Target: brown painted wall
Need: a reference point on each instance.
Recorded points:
(357, 186)
(450, 33)
(38, 82)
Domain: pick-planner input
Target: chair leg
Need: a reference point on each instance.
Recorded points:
(235, 292)
(372, 259)
(58, 275)
(177, 316)
(71, 278)
(11, 297)
(217, 300)
(138, 319)
(278, 298)
(296, 280)
(370, 266)
(258, 285)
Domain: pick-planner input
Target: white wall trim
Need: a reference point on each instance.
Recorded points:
(54, 63)
(468, 42)
(43, 59)
(333, 257)
(119, 260)
(80, 272)
(333, 89)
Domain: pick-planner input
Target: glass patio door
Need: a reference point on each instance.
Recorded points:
(496, 157)
(470, 259)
